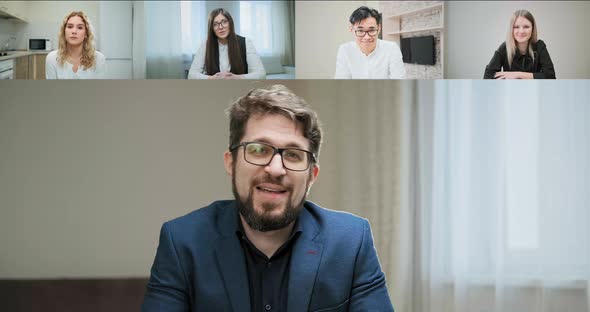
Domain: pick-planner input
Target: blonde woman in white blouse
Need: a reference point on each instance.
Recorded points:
(225, 55)
(76, 57)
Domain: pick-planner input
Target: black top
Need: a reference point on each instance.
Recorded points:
(242, 46)
(541, 67)
(268, 278)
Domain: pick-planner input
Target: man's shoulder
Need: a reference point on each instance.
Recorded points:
(348, 45)
(333, 220)
(342, 232)
(387, 45)
(203, 218)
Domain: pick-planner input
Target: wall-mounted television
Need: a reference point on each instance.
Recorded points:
(418, 50)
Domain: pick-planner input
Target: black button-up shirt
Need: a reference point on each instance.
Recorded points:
(268, 278)
(541, 67)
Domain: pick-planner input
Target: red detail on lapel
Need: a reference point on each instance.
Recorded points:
(312, 252)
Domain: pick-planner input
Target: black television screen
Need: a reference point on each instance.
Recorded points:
(406, 50)
(418, 50)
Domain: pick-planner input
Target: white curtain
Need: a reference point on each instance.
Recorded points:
(270, 25)
(194, 18)
(163, 28)
(500, 196)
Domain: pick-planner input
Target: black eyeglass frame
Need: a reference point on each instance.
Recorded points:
(276, 150)
(366, 32)
(217, 25)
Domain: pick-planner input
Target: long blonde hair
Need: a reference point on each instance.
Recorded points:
(88, 59)
(511, 43)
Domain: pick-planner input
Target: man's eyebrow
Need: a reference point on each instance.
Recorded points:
(289, 144)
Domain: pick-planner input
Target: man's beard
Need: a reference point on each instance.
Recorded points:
(265, 222)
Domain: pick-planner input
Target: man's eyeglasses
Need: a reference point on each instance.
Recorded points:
(261, 154)
(361, 33)
(223, 24)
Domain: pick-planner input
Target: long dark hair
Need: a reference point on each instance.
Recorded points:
(233, 48)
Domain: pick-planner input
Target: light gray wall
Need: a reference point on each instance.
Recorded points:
(320, 28)
(89, 171)
(475, 29)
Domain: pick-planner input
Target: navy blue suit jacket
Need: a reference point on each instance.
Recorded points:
(200, 265)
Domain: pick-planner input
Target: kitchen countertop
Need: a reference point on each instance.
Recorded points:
(15, 54)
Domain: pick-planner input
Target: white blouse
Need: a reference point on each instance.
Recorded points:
(255, 67)
(55, 71)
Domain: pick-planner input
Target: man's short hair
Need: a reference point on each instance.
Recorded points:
(276, 99)
(363, 13)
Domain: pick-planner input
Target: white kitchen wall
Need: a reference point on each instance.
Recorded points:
(7, 29)
(45, 19)
(475, 29)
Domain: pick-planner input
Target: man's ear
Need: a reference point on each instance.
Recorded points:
(228, 163)
(315, 171)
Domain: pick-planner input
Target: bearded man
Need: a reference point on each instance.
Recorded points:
(269, 249)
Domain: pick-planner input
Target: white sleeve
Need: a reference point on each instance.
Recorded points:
(101, 66)
(51, 66)
(196, 70)
(396, 63)
(255, 67)
(342, 68)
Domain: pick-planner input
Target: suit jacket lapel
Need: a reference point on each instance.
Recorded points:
(305, 261)
(232, 262)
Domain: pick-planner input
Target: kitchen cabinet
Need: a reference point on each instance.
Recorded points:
(21, 67)
(30, 67)
(37, 66)
(7, 69)
(18, 10)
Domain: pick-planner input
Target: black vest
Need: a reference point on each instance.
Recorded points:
(242, 45)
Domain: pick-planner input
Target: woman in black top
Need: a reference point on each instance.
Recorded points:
(522, 55)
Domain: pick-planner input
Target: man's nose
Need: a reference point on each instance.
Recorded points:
(275, 167)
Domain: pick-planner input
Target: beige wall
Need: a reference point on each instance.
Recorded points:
(475, 29)
(89, 171)
(321, 27)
